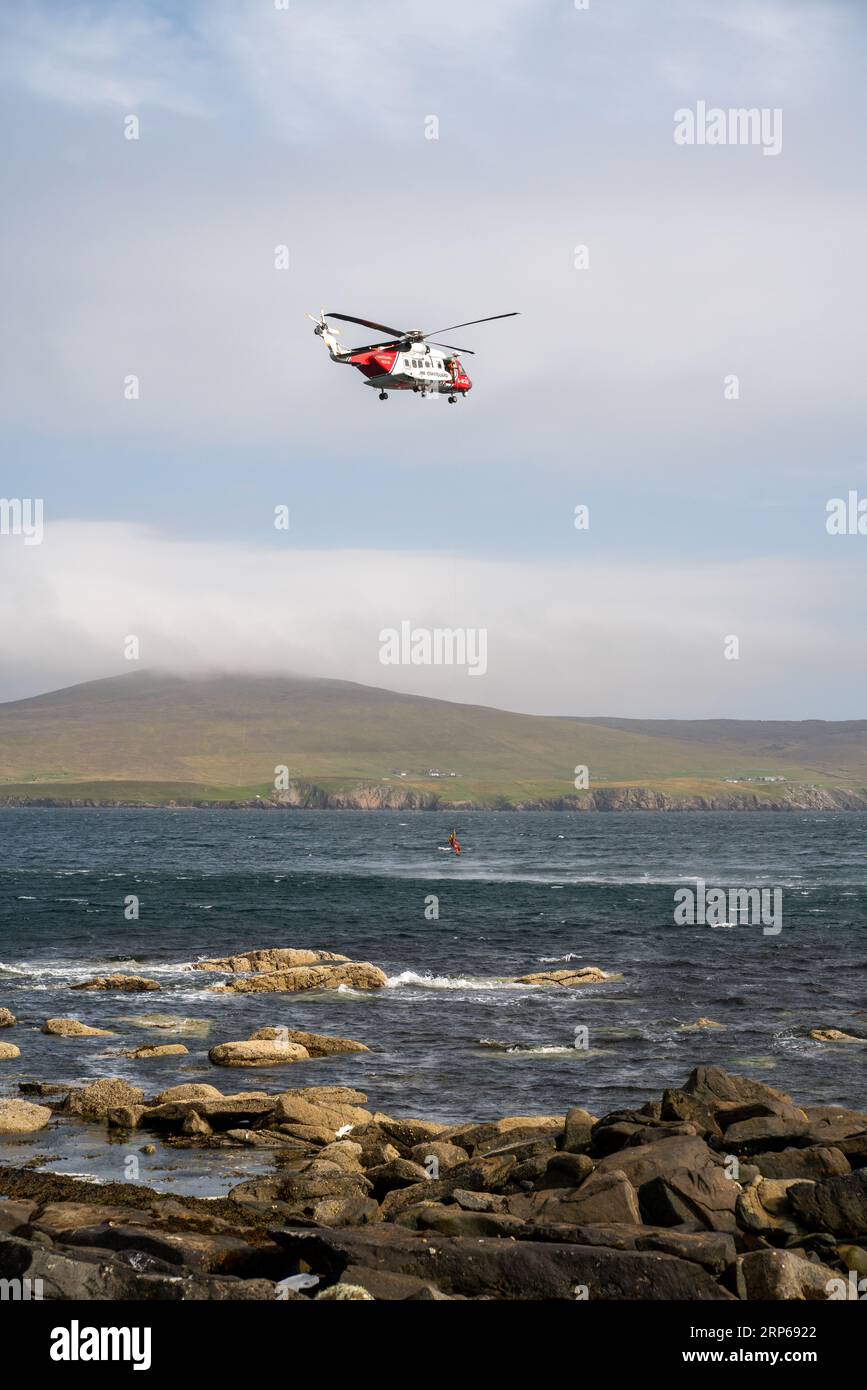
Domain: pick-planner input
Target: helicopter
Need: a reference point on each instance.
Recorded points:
(408, 360)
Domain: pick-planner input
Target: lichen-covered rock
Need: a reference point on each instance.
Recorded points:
(566, 979)
(257, 1054)
(266, 959)
(22, 1116)
(811, 1164)
(327, 1095)
(577, 1129)
(438, 1156)
(717, 1088)
(8, 1052)
(837, 1205)
(316, 1044)
(294, 1110)
(130, 984)
(7, 1018)
(602, 1197)
(782, 1274)
(189, 1091)
(94, 1102)
(72, 1028)
(352, 975)
(495, 1133)
(157, 1050)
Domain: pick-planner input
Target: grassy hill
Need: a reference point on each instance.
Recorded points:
(157, 737)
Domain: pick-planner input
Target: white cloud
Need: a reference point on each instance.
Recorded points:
(93, 56)
(315, 70)
(584, 638)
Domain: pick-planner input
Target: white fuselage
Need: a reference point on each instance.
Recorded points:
(419, 366)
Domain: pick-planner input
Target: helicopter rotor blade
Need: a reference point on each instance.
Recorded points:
(451, 347)
(368, 323)
(452, 326)
(375, 347)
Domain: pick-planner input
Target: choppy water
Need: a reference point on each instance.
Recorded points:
(531, 890)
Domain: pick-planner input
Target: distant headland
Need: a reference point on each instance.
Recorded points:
(301, 743)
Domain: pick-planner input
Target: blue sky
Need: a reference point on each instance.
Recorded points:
(306, 127)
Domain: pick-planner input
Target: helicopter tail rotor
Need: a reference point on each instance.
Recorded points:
(323, 329)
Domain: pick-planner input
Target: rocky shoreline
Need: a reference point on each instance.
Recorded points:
(723, 1189)
(308, 797)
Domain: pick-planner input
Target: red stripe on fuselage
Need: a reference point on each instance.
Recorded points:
(375, 363)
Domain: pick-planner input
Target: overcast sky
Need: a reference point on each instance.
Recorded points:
(305, 127)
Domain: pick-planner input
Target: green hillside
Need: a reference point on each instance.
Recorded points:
(157, 737)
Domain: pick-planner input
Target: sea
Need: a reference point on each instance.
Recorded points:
(452, 1037)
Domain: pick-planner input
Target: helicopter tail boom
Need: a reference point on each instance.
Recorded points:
(322, 328)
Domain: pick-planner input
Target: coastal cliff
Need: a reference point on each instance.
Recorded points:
(307, 796)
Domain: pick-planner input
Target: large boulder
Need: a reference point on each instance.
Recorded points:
(642, 1162)
(257, 1054)
(72, 1028)
(295, 1110)
(317, 1044)
(706, 1196)
(833, 1035)
(837, 1205)
(260, 961)
(507, 1269)
(577, 1129)
(189, 1091)
(683, 1107)
(438, 1155)
(781, 1274)
(96, 1101)
(327, 1095)
(22, 1116)
(407, 1133)
(478, 1138)
(195, 1250)
(345, 1153)
(565, 979)
(715, 1250)
(8, 1052)
(453, 1221)
(130, 984)
(765, 1132)
(842, 1129)
(7, 1018)
(811, 1164)
(608, 1198)
(561, 1170)
(764, 1207)
(100, 1274)
(221, 1113)
(353, 975)
(400, 1172)
(717, 1088)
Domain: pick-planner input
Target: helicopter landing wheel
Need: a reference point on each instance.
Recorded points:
(452, 400)
(383, 395)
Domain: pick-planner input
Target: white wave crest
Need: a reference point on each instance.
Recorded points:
(428, 981)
